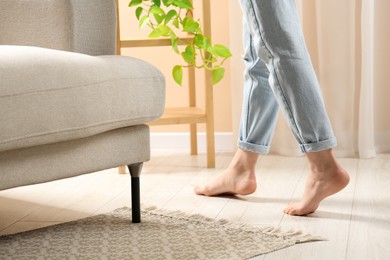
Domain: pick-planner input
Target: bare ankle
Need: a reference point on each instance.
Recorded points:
(244, 160)
(239, 178)
(323, 161)
(326, 177)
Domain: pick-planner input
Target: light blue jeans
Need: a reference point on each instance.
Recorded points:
(279, 73)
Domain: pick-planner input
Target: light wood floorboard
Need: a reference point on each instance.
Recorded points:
(355, 222)
(369, 235)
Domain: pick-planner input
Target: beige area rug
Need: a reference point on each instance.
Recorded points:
(161, 235)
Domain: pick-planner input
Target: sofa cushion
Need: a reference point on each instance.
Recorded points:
(48, 96)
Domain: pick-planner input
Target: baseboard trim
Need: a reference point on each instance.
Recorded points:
(181, 142)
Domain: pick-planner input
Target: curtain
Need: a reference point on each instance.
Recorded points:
(349, 45)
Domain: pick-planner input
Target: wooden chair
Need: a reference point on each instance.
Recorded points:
(191, 115)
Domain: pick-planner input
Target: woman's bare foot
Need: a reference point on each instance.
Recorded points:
(239, 178)
(326, 177)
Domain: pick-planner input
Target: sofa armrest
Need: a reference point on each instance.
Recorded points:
(93, 26)
(84, 26)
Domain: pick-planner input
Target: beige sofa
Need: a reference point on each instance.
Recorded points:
(68, 105)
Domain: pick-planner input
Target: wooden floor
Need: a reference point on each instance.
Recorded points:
(356, 221)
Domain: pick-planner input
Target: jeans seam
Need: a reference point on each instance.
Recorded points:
(251, 88)
(288, 108)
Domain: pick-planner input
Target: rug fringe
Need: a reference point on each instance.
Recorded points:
(296, 235)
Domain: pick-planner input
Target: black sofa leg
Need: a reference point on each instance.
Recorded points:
(135, 171)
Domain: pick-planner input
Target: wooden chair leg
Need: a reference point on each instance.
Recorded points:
(194, 139)
(192, 103)
(209, 92)
(122, 169)
(210, 147)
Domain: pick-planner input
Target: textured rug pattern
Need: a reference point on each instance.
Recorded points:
(161, 235)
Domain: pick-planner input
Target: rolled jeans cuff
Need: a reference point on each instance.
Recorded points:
(255, 148)
(319, 146)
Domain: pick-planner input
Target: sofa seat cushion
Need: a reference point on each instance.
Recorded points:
(48, 96)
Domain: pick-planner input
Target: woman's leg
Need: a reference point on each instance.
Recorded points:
(279, 42)
(260, 110)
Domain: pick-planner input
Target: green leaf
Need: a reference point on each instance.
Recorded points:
(167, 2)
(207, 43)
(186, 4)
(144, 21)
(159, 18)
(220, 50)
(189, 54)
(218, 74)
(176, 23)
(158, 13)
(177, 74)
(155, 33)
(191, 26)
(152, 13)
(161, 30)
(199, 41)
(165, 30)
(138, 12)
(156, 10)
(135, 3)
(174, 41)
(169, 16)
(202, 41)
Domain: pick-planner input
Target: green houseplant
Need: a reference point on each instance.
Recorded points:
(167, 17)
